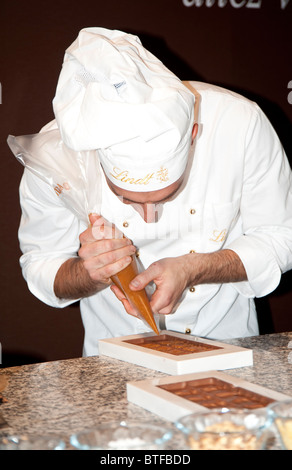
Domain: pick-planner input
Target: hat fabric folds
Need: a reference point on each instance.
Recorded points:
(116, 97)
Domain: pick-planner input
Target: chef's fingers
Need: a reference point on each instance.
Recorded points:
(97, 220)
(152, 273)
(121, 296)
(99, 228)
(102, 228)
(112, 249)
(109, 258)
(103, 273)
(162, 301)
(106, 230)
(93, 218)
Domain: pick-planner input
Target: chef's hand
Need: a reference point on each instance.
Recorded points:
(103, 253)
(173, 275)
(103, 250)
(169, 286)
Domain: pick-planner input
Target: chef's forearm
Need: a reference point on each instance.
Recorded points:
(215, 268)
(72, 281)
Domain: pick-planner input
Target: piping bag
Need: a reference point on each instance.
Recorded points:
(75, 177)
(138, 298)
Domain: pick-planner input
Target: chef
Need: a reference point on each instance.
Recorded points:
(194, 182)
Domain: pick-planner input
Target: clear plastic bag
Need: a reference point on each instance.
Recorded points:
(74, 176)
(76, 180)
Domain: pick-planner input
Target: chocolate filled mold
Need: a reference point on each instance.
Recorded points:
(215, 393)
(172, 345)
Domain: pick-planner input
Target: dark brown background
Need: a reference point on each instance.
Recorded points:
(247, 49)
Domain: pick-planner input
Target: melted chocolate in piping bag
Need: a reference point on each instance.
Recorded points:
(137, 298)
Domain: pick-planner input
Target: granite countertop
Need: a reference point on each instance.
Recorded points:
(67, 396)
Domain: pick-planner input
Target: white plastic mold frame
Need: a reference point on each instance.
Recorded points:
(227, 356)
(147, 394)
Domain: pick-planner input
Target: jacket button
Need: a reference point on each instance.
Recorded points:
(192, 251)
(187, 331)
(192, 289)
(192, 211)
(125, 224)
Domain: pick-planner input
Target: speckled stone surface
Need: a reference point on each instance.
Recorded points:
(64, 397)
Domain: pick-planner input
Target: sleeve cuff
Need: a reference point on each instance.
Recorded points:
(40, 277)
(263, 272)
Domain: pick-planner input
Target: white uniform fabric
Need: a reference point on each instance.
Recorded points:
(237, 195)
(115, 96)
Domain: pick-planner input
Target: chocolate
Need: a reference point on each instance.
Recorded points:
(172, 345)
(139, 298)
(214, 393)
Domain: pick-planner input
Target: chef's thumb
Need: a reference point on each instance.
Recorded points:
(93, 218)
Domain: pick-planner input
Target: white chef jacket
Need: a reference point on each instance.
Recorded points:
(236, 195)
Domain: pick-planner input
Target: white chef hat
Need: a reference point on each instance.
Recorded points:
(115, 96)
